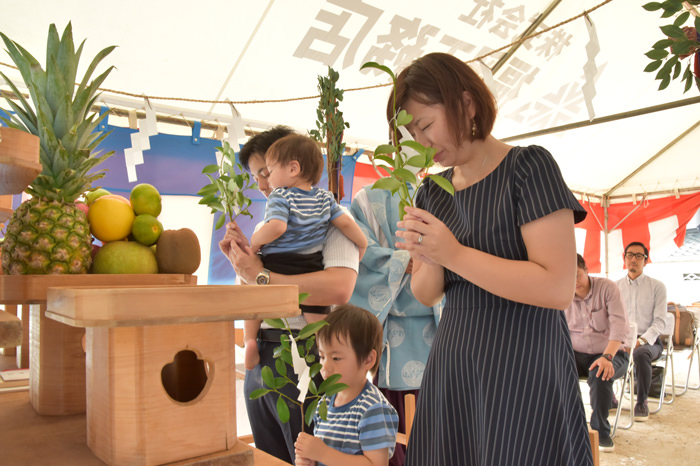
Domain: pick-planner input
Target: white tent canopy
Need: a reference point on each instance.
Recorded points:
(202, 55)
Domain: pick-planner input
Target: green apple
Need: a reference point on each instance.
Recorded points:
(92, 196)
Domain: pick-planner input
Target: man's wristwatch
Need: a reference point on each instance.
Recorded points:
(608, 356)
(263, 278)
(642, 341)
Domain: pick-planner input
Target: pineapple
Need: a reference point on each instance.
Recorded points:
(49, 234)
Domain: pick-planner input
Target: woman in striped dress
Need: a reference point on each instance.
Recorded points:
(500, 387)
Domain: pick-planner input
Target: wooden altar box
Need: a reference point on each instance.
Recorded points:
(52, 351)
(161, 381)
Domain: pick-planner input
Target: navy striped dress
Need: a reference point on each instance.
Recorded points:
(500, 387)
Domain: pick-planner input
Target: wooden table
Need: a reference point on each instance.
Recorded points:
(53, 352)
(161, 365)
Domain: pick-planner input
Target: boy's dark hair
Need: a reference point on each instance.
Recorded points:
(301, 148)
(261, 142)
(581, 262)
(358, 327)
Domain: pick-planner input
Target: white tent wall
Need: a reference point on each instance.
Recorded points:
(191, 62)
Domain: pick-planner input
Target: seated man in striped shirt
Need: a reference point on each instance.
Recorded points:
(297, 219)
(361, 424)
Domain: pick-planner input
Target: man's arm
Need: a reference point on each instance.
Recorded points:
(334, 285)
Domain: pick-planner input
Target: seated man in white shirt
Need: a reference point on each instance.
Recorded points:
(645, 301)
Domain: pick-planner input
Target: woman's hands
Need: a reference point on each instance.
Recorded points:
(429, 242)
(425, 237)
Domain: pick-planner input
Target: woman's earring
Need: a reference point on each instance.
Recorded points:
(473, 128)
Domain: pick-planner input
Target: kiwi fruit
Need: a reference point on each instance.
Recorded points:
(178, 251)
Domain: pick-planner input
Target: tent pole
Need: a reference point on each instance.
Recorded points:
(606, 203)
(654, 157)
(605, 119)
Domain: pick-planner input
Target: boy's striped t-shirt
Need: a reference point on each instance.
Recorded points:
(369, 422)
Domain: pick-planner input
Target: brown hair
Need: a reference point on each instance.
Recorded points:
(581, 262)
(301, 148)
(440, 78)
(359, 327)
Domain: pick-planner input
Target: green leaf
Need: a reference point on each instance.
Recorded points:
(405, 175)
(387, 70)
(312, 387)
(310, 411)
(335, 388)
(385, 149)
(663, 44)
(281, 367)
(267, 376)
(657, 54)
(210, 169)
(652, 6)
(402, 206)
(683, 47)
(311, 329)
(282, 409)
(681, 19)
(653, 66)
(275, 323)
(220, 222)
(286, 356)
(388, 183)
(418, 147)
(673, 31)
(258, 393)
(315, 369)
(303, 297)
(403, 118)
(697, 24)
(279, 382)
(665, 81)
(443, 183)
(323, 411)
(330, 381)
(416, 161)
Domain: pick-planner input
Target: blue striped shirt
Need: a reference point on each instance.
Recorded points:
(308, 215)
(367, 423)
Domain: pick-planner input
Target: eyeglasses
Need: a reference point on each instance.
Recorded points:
(632, 255)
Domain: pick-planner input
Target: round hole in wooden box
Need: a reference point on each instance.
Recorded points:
(186, 377)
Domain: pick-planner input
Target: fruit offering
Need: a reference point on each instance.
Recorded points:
(128, 229)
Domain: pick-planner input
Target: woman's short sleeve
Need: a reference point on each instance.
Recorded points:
(539, 186)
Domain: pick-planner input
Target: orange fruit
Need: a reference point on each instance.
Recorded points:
(145, 199)
(110, 218)
(117, 197)
(146, 229)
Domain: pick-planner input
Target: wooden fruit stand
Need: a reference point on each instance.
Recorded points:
(160, 365)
